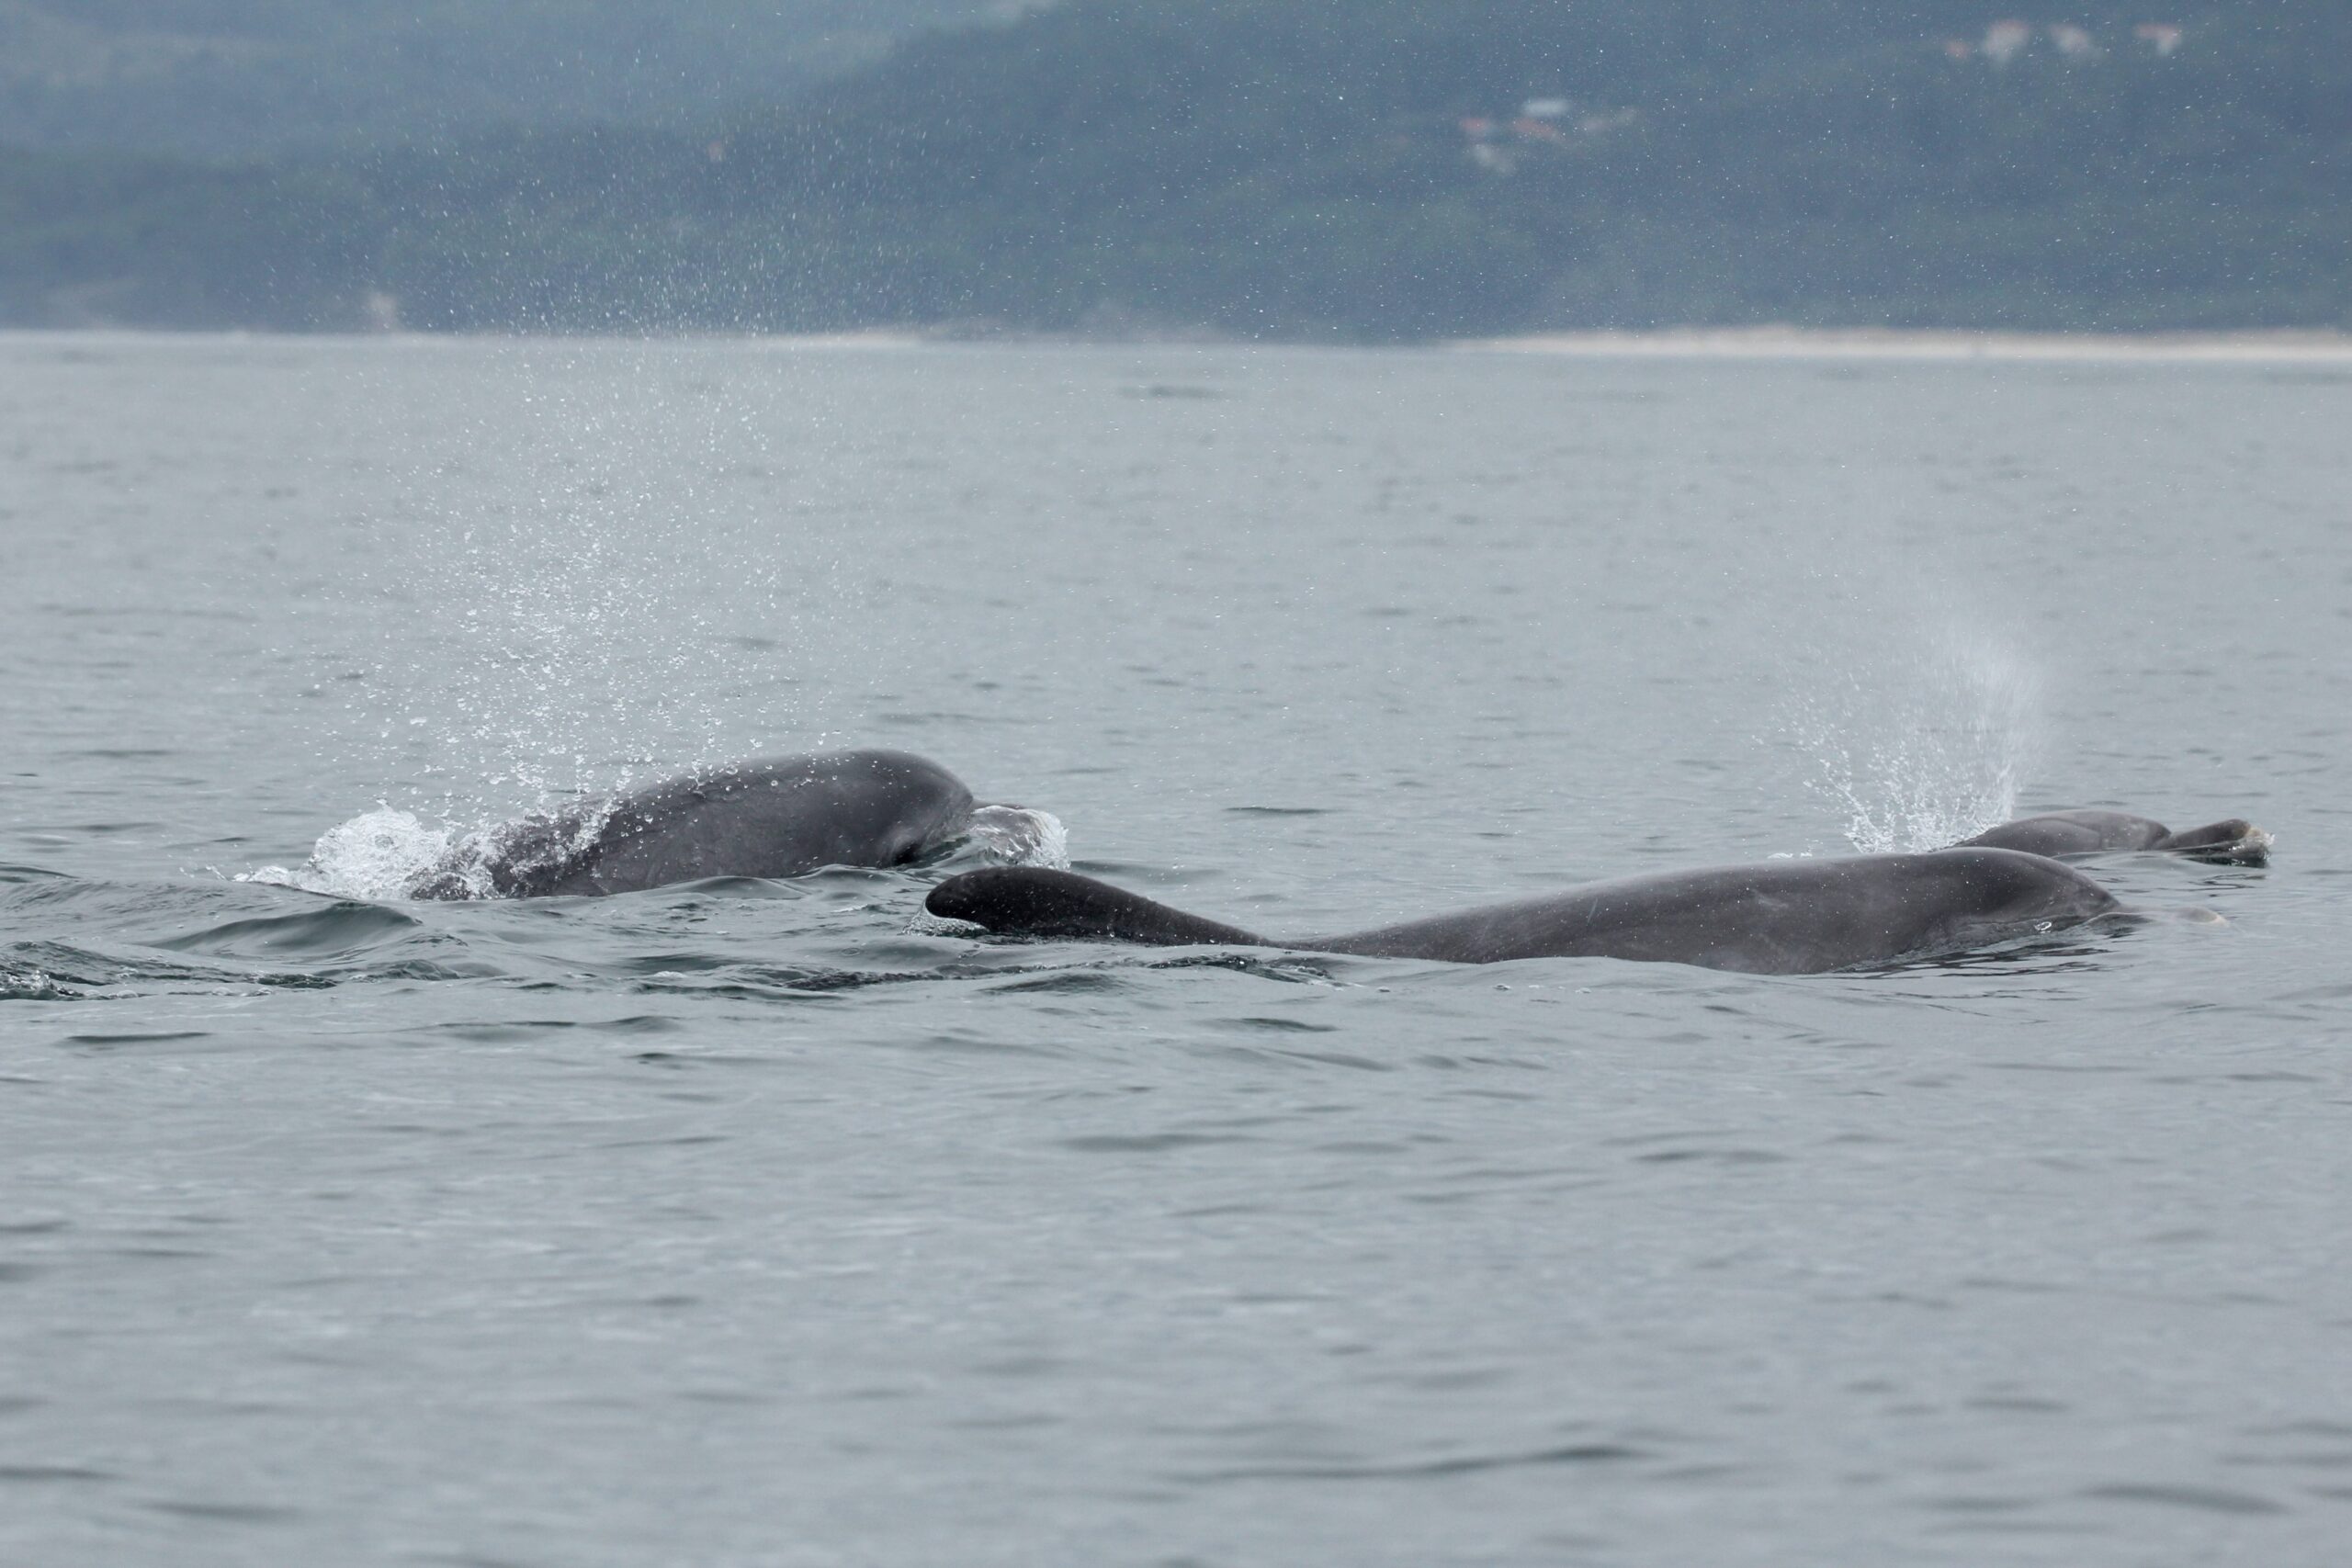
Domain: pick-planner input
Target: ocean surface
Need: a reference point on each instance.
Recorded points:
(757, 1223)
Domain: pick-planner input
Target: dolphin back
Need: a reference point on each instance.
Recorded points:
(2070, 834)
(2098, 833)
(1021, 901)
(1780, 918)
(773, 817)
(776, 817)
(1791, 917)
(2233, 838)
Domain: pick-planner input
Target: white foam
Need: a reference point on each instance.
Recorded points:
(376, 855)
(540, 842)
(27, 986)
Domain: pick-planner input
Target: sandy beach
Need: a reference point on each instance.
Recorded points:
(1874, 343)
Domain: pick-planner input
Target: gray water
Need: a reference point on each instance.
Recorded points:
(752, 1223)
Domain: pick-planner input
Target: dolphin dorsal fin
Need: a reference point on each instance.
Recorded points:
(1024, 900)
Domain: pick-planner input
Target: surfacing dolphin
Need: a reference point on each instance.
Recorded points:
(768, 817)
(2093, 832)
(1795, 917)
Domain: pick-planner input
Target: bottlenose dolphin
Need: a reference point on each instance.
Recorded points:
(2092, 832)
(1792, 917)
(769, 817)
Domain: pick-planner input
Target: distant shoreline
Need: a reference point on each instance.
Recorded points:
(1936, 343)
(1933, 344)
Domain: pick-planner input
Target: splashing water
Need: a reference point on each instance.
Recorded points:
(1014, 835)
(1937, 759)
(623, 562)
(375, 855)
(24, 984)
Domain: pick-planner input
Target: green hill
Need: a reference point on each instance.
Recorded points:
(225, 77)
(1378, 169)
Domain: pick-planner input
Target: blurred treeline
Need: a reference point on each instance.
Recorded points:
(256, 77)
(1361, 168)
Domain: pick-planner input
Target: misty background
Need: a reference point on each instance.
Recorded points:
(1382, 169)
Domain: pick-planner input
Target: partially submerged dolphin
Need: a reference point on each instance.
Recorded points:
(769, 817)
(2093, 832)
(1793, 917)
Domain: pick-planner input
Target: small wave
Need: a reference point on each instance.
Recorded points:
(341, 928)
(27, 985)
(50, 970)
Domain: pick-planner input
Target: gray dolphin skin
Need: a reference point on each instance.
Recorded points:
(2097, 832)
(1796, 917)
(770, 817)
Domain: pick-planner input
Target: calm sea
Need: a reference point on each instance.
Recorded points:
(772, 1223)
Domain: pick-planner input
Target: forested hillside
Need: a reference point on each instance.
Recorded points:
(212, 77)
(1379, 169)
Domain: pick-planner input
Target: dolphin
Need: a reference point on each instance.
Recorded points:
(768, 817)
(1791, 917)
(2096, 832)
